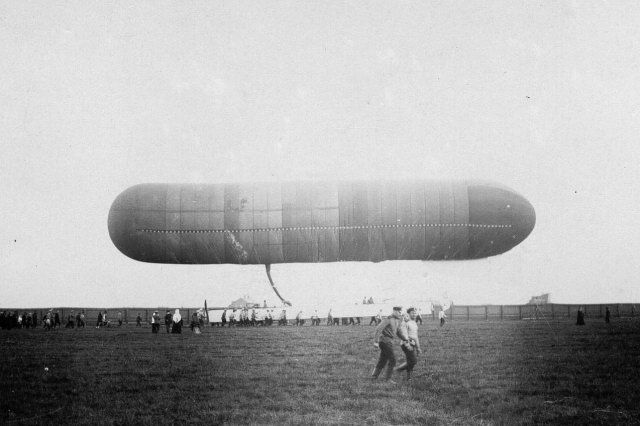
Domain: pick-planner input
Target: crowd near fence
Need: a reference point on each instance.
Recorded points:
(129, 315)
(549, 311)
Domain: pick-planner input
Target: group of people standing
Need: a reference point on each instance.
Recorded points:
(243, 317)
(51, 320)
(9, 320)
(75, 320)
(333, 320)
(173, 322)
(315, 319)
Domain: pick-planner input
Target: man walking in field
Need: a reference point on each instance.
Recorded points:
(155, 322)
(283, 318)
(176, 324)
(195, 323)
(442, 316)
(580, 320)
(412, 348)
(48, 321)
(167, 321)
(386, 331)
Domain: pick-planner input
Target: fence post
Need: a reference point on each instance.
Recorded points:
(553, 312)
(486, 312)
(501, 314)
(451, 312)
(468, 313)
(520, 311)
(618, 309)
(568, 311)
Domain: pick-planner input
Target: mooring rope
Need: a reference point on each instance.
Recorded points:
(273, 286)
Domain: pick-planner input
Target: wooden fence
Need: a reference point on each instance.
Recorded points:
(548, 311)
(455, 312)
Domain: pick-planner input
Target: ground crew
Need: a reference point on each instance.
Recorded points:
(412, 349)
(386, 331)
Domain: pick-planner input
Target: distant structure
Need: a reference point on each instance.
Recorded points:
(543, 299)
(243, 302)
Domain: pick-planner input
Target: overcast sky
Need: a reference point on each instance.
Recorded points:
(543, 97)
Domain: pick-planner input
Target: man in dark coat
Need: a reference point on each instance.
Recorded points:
(386, 331)
(580, 320)
(167, 321)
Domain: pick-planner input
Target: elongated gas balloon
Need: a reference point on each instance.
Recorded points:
(270, 223)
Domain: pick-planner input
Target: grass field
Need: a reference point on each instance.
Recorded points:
(512, 372)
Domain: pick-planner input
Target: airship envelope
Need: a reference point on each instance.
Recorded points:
(270, 223)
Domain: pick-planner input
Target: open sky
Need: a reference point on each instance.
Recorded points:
(542, 96)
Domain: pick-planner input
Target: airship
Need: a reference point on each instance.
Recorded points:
(307, 222)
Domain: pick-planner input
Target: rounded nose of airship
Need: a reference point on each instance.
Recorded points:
(500, 219)
(121, 222)
(523, 218)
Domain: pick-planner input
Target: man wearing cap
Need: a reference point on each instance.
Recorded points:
(412, 348)
(386, 331)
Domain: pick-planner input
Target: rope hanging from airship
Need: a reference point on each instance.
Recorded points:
(273, 286)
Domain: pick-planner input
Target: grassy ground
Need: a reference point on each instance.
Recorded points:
(470, 373)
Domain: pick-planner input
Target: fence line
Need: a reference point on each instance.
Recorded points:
(454, 313)
(549, 311)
